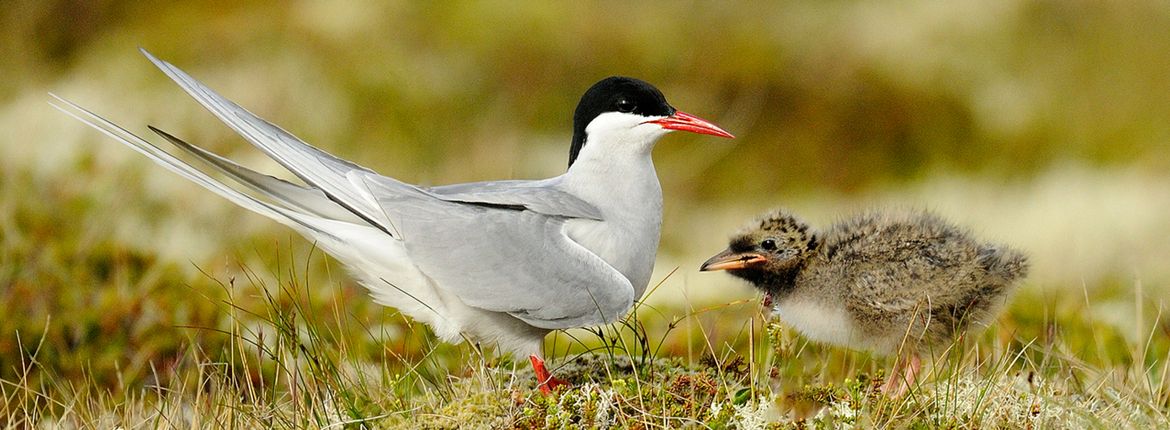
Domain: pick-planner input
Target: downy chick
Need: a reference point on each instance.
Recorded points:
(888, 283)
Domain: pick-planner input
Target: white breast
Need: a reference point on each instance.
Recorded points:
(820, 322)
(627, 193)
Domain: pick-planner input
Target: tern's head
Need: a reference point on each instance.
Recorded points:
(621, 113)
(771, 249)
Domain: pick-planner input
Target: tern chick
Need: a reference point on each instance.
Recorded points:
(888, 283)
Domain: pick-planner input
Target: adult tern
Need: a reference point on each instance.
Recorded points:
(500, 262)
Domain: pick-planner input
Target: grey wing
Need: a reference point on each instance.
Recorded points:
(516, 261)
(539, 196)
(316, 167)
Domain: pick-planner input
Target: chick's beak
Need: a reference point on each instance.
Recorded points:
(731, 260)
(686, 122)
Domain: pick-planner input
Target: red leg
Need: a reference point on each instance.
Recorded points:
(894, 379)
(912, 371)
(544, 380)
(902, 377)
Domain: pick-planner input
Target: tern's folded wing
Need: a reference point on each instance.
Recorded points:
(538, 196)
(516, 261)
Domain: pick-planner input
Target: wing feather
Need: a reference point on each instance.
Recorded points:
(308, 200)
(170, 162)
(544, 197)
(314, 166)
(518, 262)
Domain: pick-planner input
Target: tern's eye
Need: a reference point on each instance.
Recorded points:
(768, 244)
(625, 105)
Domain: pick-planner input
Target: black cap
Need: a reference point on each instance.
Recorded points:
(615, 94)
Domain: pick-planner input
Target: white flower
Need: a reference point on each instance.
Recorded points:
(753, 414)
(716, 408)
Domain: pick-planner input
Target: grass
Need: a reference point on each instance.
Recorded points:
(284, 357)
(100, 334)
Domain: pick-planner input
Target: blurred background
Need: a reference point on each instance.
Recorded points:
(1044, 125)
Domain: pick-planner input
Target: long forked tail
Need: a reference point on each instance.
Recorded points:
(302, 199)
(266, 185)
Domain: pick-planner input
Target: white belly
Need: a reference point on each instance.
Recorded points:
(820, 322)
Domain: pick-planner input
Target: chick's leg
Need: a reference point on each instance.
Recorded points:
(903, 376)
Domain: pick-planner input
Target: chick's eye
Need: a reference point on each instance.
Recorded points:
(768, 245)
(625, 105)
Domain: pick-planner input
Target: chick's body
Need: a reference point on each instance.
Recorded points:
(899, 276)
(881, 282)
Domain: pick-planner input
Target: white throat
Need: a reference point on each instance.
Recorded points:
(614, 170)
(613, 136)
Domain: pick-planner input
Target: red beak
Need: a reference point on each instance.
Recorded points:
(687, 122)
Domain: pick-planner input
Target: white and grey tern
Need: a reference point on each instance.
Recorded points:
(500, 262)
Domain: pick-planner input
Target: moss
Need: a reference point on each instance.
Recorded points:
(473, 409)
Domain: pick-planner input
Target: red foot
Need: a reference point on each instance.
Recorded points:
(905, 372)
(544, 380)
